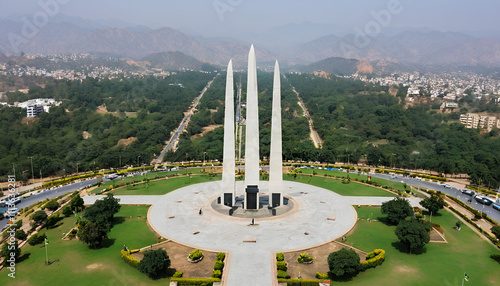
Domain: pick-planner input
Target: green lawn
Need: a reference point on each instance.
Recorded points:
(351, 189)
(162, 187)
(133, 211)
(76, 264)
(440, 264)
(354, 175)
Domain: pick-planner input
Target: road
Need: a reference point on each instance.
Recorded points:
(492, 213)
(175, 137)
(50, 194)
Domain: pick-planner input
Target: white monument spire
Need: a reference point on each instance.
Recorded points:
(275, 161)
(228, 192)
(252, 132)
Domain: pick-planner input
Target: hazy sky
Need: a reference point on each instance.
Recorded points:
(238, 17)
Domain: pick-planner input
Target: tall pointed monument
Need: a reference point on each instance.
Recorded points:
(275, 161)
(228, 179)
(252, 136)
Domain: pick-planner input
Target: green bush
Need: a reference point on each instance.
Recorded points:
(304, 258)
(67, 211)
(280, 257)
(195, 255)
(129, 259)
(37, 238)
(52, 205)
(221, 256)
(322, 275)
(52, 220)
(195, 281)
(177, 274)
(216, 274)
(219, 265)
(283, 274)
(374, 259)
(282, 265)
(300, 282)
(20, 234)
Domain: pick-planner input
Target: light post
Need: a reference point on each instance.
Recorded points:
(32, 174)
(77, 168)
(204, 153)
(138, 159)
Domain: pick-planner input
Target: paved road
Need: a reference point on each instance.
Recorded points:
(492, 213)
(50, 194)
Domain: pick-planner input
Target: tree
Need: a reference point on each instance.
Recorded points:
(102, 212)
(496, 231)
(10, 250)
(154, 263)
(433, 203)
(76, 202)
(21, 234)
(91, 234)
(67, 211)
(412, 234)
(344, 263)
(397, 210)
(39, 217)
(52, 205)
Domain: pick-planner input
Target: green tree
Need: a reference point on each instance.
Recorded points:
(412, 234)
(10, 252)
(102, 212)
(67, 211)
(154, 263)
(21, 234)
(433, 203)
(91, 234)
(38, 217)
(76, 203)
(52, 205)
(496, 231)
(397, 210)
(343, 263)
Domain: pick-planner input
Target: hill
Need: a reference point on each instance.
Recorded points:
(173, 61)
(340, 66)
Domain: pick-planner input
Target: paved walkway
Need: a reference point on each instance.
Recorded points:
(176, 216)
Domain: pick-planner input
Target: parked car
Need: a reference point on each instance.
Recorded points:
(468, 192)
(483, 200)
(495, 206)
(11, 213)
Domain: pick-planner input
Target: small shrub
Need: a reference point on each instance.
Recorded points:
(374, 259)
(52, 205)
(304, 258)
(20, 234)
(282, 265)
(195, 255)
(280, 257)
(216, 274)
(283, 274)
(322, 275)
(129, 259)
(37, 238)
(177, 274)
(221, 256)
(219, 265)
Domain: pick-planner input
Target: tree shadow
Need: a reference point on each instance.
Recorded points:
(384, 220)
(107, 242)
(23, 257)
(169, 273)
(345, 278)
(118, 220)
(401, 247)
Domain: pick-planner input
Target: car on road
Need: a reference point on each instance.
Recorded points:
(11, 212)
(483, 200)
(448, 186)
(468, 192)
(495, 206)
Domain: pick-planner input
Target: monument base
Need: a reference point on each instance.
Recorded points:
(251, 197)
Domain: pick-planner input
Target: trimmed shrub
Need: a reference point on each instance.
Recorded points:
(301, 282)
(280, 257)
(304, 258)
(374, 259)
(216, 274)
(282, 265)
(322, 275)
(195, 281)
(195, 255)
(221, 256)
(129, 259)
(219, 265)
(37, 238)
(283, 274)
(177, 274)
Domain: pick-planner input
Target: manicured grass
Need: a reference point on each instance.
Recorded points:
(133, 211)
(76, 264)
(440, 264)
(162, 187)
(354, 175)
(351, 189)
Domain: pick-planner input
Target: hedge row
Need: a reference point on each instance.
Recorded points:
(129, 259)
(302, 282)
(219, 265)
(374, 259)
(194, 281)
(490, 237)
(387, 171)
(484, 191)
(441, 179)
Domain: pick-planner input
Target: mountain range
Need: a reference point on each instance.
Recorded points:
(422, 48)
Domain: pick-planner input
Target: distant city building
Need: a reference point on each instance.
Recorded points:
(35, 107)
(472, 120)
(413, 91)
(449, 105)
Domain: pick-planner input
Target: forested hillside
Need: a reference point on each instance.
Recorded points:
(94, 116)
(364, 121)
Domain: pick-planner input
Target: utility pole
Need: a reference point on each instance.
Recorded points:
(77, 168)
(32, 174)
